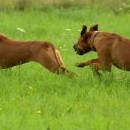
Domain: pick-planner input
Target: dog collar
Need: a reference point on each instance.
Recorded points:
(92, 40)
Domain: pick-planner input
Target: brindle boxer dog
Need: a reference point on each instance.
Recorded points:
(14, 53)
(112, 49)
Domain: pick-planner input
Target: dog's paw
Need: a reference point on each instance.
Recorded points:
(80, 65)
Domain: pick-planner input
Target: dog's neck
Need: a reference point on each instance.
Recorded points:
(94, 34)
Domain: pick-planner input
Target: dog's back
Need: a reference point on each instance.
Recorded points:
(14, 53)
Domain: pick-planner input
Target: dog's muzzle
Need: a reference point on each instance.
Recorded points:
(75, 48)
(78, 50)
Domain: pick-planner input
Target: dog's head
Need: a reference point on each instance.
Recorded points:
(83, 45)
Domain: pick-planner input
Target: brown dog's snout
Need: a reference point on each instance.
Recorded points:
(78, 50)
(75, 47)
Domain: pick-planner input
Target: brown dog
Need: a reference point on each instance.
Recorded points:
(111, 48)
(14, 53)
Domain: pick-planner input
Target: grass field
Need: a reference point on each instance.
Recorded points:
(31, 98)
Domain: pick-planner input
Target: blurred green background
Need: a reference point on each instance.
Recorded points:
(116, 6)
(32, 98)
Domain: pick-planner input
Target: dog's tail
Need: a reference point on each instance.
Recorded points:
(61, 69)
(2, 37)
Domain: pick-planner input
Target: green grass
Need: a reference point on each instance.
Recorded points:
(32, 98)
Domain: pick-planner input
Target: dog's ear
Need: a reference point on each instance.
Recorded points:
(84, 29)
(94, 27)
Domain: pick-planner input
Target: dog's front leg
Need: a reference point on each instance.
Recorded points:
(86, 63)
(94, 63)
(96, 66)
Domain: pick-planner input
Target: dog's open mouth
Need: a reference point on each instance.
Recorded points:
(79, 52)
